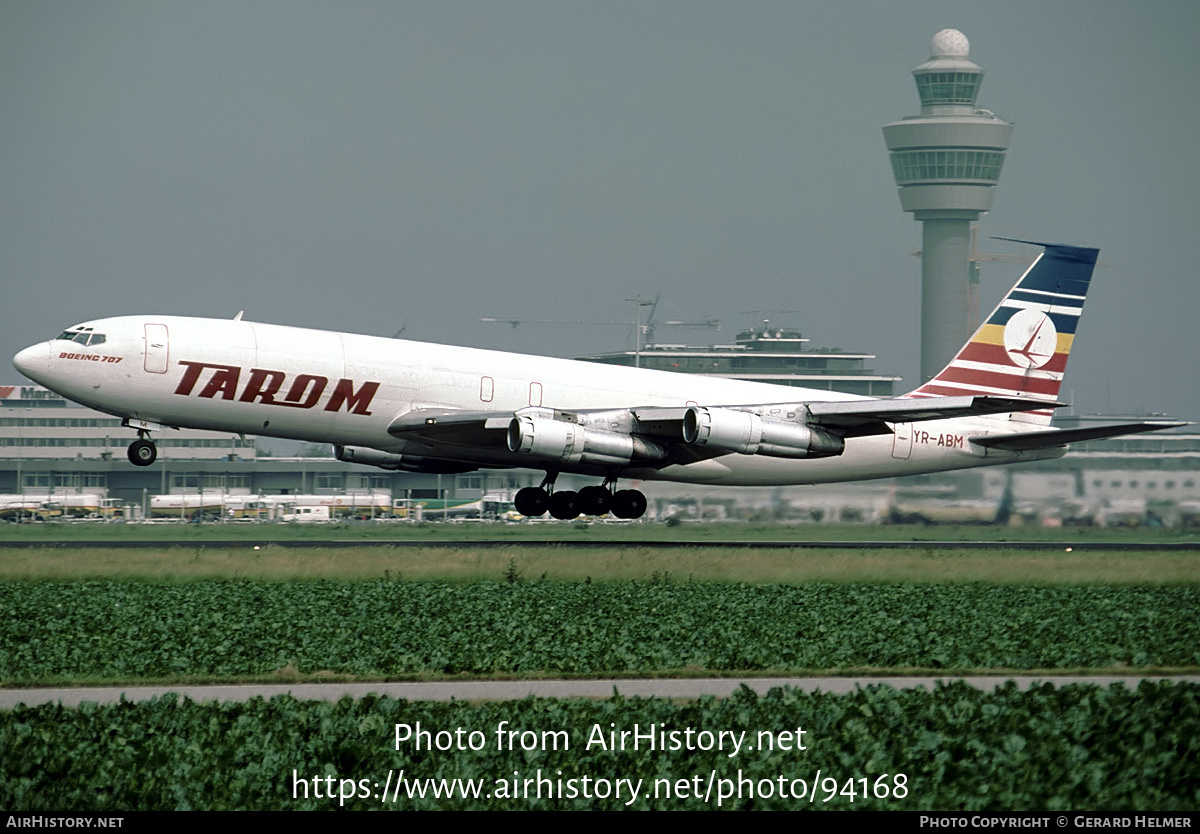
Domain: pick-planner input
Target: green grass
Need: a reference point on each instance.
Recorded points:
(1051, 566)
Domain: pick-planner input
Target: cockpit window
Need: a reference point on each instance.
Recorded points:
(82, 335)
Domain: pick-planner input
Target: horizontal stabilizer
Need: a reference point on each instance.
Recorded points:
(1061, 437)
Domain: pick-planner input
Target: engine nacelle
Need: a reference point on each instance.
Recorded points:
(564, 442)
(749, 434)
(403, 463)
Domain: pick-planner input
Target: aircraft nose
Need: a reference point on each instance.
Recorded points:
(34, 361)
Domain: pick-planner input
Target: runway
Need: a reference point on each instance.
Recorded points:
(655, 544)
(687, 688)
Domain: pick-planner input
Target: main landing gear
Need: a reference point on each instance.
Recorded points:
(591, 500)
(142, 452)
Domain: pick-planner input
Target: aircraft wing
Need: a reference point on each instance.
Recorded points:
(1061, 437)
(596, 440)
(435, 425)
(856, 418)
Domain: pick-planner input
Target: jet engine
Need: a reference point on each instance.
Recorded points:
(567, 442)
(750, 434)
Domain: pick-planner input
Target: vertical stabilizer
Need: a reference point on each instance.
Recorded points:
(1022, 348)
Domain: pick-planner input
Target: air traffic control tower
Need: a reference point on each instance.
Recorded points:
(947, 162)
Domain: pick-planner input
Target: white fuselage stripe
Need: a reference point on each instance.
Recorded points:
(1049, 294)
(1014, 304)
(1011, 370)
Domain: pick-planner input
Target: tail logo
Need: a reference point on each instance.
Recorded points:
(1030, 339)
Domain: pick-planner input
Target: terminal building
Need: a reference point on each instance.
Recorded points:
(774, 355)
(52, 447)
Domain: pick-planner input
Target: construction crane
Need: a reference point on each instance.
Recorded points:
(974, 258)
(973, 279)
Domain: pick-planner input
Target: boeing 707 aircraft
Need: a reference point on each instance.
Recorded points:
(422, 407)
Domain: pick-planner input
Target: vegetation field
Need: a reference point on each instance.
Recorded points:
(181, 613)
(388, 629)
(1078, 748)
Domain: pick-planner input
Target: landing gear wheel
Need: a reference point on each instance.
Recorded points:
(531, 501)
(594, 500)
(142, 453)
(564, 505)
(628, 503)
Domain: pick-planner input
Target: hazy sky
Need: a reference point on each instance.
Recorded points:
(364, 166)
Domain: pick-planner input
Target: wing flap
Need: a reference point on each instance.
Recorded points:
(858, 417)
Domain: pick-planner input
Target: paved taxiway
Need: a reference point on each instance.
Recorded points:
(551, 544)
(516, 690)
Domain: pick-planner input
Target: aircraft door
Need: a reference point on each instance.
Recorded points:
(902, 440)
(157, 349)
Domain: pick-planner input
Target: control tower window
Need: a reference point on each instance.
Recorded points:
(959, 164)
(948, 87)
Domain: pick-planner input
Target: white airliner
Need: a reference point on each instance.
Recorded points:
(435, 408)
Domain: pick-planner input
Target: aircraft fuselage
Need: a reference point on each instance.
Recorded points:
(346, 389)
